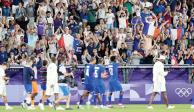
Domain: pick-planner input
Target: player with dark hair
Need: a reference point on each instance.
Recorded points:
(114, 84)
(42, 80)
(28, 75)
(34, 83)
(88, 82)
(159, 82)
(52, 86)
(99, 86)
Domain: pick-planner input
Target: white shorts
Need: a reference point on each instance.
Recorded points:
(159, 87)
(3, 90)
(51, 91)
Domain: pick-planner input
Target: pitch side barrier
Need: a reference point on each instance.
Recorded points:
(143, 72)
(136, 82)
(127, 66)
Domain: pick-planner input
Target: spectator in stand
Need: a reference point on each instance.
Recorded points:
(49, 24)
(3, 55)
(96, 27)
(123, 18)
(135, 58)
(123, 49)
(21, 17)
(92, 20)
(78, 47)
(52, 46)
(6, 10)
(58, 22)
(110, 19)
(32, 37)
(101, 12)
(30, 10)
(86, 57)
(15, 5)
(41, 27)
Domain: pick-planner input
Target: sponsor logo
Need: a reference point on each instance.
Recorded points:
(183, 92)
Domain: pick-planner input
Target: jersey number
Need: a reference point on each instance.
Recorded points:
(96, 72)
(87, 70)
(111, 71)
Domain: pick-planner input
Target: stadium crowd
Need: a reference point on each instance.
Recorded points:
(96, 28)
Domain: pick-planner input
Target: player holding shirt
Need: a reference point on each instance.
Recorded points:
(114, 84)
(89, 78)
(3, 80)
(99, 87)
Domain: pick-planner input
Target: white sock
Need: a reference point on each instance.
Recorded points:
(28, 100)
(6, 104)
(89, 97)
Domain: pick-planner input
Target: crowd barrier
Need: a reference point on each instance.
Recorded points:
(136, 82)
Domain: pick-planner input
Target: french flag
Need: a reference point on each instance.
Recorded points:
(151, 30)
(61, 42)
(65, 41)
(176, 33)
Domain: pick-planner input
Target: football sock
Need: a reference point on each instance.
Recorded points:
(109, 99)
(95, 98)
(104, 99)
(120, 97)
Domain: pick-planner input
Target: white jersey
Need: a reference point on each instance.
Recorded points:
(159, 73)
(159, 77)
(2, 75)
(52, 80)
(52, 75)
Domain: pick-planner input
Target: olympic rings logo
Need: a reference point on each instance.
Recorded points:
(183, 92)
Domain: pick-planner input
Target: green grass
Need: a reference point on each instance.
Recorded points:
(129, 108)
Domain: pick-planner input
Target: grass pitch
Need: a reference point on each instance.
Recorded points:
(128, 108)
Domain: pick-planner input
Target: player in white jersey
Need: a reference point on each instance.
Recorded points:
(159, 82)
(3, 81)
(52, 86)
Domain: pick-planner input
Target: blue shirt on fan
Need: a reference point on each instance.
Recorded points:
(77, 46)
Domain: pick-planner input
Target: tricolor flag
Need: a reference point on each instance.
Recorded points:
(151, 30)
(65, 41)
(176, 33)
(61, 42)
